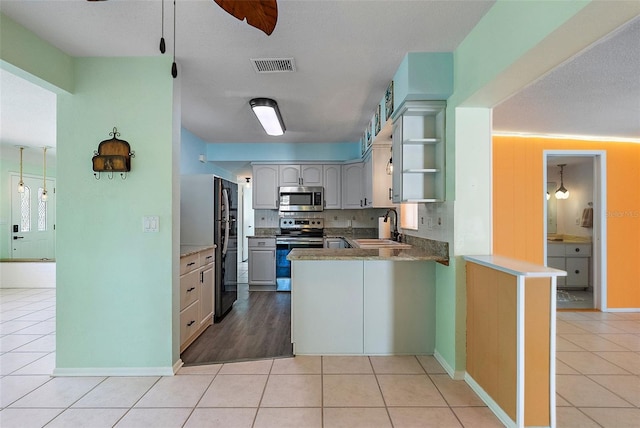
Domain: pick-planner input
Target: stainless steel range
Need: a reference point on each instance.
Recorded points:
(295, 233)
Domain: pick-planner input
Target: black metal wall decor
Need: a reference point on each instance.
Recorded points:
(113, 155)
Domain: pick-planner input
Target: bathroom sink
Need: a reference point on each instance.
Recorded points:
(555, 239)
(379, 243)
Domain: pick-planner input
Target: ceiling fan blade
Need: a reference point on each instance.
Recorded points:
(261, 14)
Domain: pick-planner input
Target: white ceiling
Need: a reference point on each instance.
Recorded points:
(346, 52)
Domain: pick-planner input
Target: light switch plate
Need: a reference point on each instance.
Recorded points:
(150, 223)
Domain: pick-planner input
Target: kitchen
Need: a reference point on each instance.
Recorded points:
(148, 283)
(301, 221)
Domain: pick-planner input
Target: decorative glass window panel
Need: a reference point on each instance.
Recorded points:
(42, 211)
(25, 210)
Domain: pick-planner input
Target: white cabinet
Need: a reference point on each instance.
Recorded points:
(265, 187)
(377, 183)
(300, 175)
(196, 295)
(262, 260)
(419, 152)
(352, 186)
(332, 177)
(573, 258)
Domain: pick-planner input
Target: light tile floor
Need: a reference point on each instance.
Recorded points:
(598, 383)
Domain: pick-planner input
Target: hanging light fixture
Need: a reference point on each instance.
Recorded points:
(268, 113)
(562, 193)
(174, 66)
(390, 164)
(163, 47)
(45, 196)
(21, 182)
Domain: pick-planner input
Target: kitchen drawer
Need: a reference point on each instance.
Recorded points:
(189, 263)
(577, 250)
(555, 250)
(189, 322)
(262, 242)
(206, 257)
(189, 290)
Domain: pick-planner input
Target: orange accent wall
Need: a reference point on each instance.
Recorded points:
(518, 207)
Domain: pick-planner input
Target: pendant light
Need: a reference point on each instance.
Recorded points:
(163, 47)
(562, 193)
(21, 183)
(45, 196)
(174, 66)
(389, 168)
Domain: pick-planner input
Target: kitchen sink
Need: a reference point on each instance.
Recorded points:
(379, 243)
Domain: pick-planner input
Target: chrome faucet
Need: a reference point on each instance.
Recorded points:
(394, 234)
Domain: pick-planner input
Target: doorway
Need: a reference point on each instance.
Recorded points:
(33, 218)
(575, 226)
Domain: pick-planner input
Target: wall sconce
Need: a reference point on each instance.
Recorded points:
(248, 182)
(268, 113)
(113, 155)
(45, 196)
(21, 182)
(562, 193)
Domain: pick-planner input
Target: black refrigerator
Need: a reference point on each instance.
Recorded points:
(225, 237)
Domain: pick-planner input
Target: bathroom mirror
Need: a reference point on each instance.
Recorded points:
(552, 211)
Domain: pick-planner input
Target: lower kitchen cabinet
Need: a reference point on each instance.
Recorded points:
(196, 295)
(366, 307)
(262, 260)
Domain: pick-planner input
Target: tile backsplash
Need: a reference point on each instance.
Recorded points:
(356, 219)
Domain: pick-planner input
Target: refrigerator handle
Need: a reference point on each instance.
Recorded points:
(225, 196)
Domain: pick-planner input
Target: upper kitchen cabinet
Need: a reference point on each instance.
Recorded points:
(265, 192)
(332, 177)
(352, 185)
(419, 152)
(300, 175)
(377, 181)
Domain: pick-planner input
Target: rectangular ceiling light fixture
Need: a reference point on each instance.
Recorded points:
(267, 112)
(273, 65)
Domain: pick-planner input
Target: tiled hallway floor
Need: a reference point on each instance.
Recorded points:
(598, 383)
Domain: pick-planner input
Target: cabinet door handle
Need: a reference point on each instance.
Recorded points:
(577, 250)
(201, 277)
(577, 271)
(360, 202)
(209, 257)
(390, 191)
(191, 289)
(191, 264)
(190, 323)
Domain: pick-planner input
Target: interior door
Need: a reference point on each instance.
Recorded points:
(32, 219)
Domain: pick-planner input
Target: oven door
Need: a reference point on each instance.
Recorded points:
(283, 266)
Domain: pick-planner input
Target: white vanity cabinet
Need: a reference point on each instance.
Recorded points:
(262, 260)
(196, 295)
(575, 259)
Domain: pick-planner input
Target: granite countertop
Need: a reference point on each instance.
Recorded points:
(261, 236)
(392, 254)
(187, 250)
(568, 239)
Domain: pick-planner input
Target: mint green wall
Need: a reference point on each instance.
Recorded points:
(508, 31)
(114, 282)
(24, 53)
(423, 76)
(10, 163)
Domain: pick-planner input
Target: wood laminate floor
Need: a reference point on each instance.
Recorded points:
(258, 326)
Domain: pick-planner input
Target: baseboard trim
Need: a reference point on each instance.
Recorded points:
(622, 310)
(493, 406)
(457, 375)
(116, 371)
(177, 365)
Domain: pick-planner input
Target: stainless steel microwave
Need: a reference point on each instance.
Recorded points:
(301, 198)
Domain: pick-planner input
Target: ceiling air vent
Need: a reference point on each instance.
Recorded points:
(273, 65)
